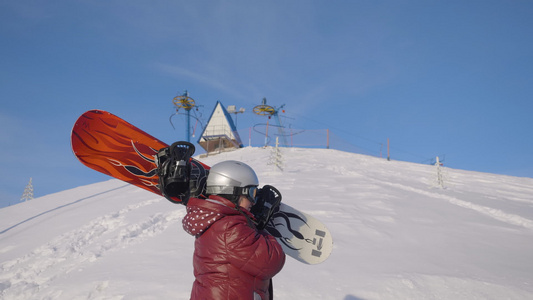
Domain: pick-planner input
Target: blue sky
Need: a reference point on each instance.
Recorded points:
(448, 78)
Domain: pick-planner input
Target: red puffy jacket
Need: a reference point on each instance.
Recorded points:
(232, 259)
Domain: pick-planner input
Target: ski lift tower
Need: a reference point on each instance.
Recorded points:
(267, 110)
(187, 103)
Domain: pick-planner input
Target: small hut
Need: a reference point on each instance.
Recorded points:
(220, 133)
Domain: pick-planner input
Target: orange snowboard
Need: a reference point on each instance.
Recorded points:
(110, 145)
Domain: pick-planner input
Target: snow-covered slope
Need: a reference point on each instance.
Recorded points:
(396, 235)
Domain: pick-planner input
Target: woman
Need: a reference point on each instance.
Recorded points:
(232, 258)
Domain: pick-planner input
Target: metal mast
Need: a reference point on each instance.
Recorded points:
(187, 103)
(267, 110)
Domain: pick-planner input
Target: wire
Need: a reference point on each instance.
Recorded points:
(178, 113)
(361, 137)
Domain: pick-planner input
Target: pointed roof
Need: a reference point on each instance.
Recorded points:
(220, 124)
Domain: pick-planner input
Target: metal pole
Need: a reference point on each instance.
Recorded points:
(266, 135)
(328, 138)
(388, 149)
(189, 125)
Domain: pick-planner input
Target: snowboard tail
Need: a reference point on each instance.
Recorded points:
(301, 236)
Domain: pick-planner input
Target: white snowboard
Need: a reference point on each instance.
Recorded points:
(302, 236)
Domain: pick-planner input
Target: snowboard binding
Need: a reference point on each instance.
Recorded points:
(174, 171)
(267, 203)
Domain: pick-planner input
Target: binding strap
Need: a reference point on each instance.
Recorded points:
(174, 170)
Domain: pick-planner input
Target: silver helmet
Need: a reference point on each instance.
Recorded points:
(225, 178)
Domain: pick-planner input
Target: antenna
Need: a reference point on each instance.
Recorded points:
(187, 103)
(267, 110)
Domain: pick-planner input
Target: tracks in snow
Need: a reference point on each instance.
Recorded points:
(490, 212)
(23, 277)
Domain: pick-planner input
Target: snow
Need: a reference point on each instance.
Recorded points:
(397, 235)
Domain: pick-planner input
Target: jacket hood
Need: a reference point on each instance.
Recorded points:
(201, 214)
(198, 220)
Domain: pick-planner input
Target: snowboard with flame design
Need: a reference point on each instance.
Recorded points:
(110, 145)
